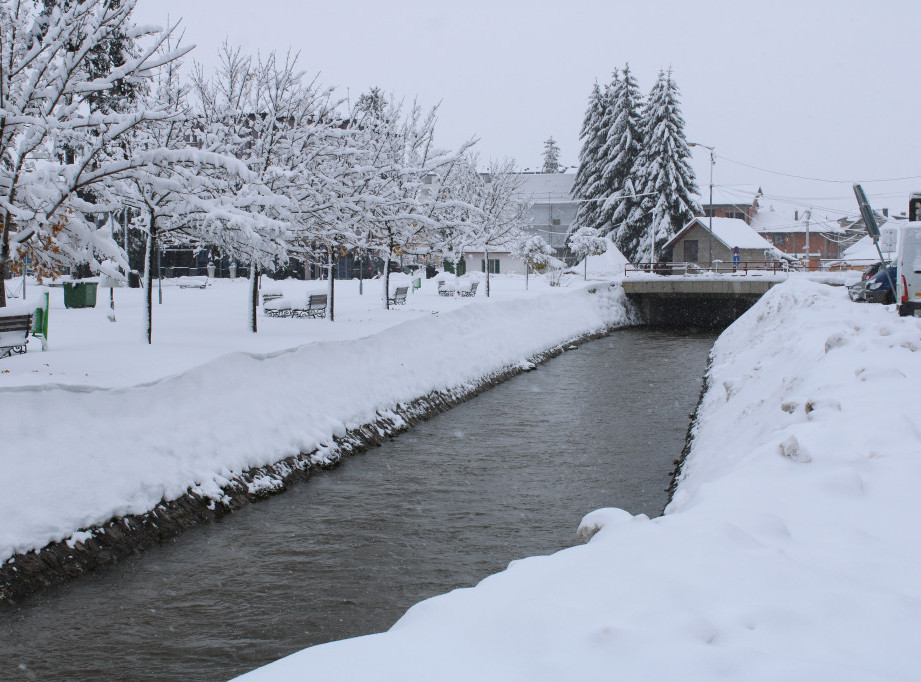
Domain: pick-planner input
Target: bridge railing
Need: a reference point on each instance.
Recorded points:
(679, 268)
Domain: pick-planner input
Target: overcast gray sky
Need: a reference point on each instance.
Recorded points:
(825, 90)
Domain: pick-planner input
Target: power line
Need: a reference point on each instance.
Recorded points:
(806, 177)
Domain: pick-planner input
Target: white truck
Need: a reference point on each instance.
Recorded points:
(908, 262)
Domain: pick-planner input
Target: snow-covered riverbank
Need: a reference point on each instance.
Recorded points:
(789, 552)
(75, 454)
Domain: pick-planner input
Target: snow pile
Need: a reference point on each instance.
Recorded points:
(75, 455)
(789, 553)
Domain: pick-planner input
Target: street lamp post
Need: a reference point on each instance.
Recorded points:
(712, 162)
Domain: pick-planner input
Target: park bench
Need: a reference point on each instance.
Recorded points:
(193, 282)
(444, 289)
(270, 296)
(14, 334)
(471, 291)
(316, 307)
(399, 298)
(284, 307)
(277, 307)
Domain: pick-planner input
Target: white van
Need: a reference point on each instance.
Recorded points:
(908, 260)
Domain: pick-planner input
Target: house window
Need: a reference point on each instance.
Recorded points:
(690, 251)
(493, 265)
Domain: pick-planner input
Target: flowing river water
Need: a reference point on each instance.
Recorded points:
(504, 476)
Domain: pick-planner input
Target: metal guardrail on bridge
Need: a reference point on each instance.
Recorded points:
(717, 267)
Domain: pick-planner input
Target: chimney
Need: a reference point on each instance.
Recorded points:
(795, 216)
(885, 213)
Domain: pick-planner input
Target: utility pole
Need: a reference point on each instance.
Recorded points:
(710, 227)
(808, 214)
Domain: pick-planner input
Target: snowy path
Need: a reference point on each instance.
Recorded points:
(790, 551)
(74, 455)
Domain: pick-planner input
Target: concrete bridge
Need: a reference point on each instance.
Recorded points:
(696, 301)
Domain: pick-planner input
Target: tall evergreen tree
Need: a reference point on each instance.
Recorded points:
(587, 185)
(663, 175)
(623, 146)
(111, 52)
(551, 157)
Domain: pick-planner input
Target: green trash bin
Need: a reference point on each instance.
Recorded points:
(80, 295)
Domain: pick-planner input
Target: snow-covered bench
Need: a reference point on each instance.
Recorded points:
(399, 298)
(193, 282)
(316, 307)
(471, 291)
(14, 334)
(271, 295)
(285, 307)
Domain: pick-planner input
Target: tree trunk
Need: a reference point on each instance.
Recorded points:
(486, 260)
(456, 275)
(527, 271)
(4, 256)
(331, 275)
(254, 295)
(386, 279)
(148, 281)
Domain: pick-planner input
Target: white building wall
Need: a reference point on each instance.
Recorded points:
(508, 265)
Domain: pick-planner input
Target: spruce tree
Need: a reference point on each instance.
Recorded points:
(109, 53)
(622, 148)
(662, 175)
(587, 186)
(551, 157)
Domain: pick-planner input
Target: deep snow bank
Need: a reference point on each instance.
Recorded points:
(73, 457)
(789, 552)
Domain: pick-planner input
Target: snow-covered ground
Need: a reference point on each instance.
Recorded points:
(790, 551)
(103, 425)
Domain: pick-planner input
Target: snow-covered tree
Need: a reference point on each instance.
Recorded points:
(663, 176)
(587, 187)
(399, 153)
(481, 211)
(534, 251)
(47, 83)
(623, 146)
(264, 113)
(192, 193)
(551, 157)
(586, 242)
(503, 215)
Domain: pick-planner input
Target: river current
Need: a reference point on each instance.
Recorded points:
(506, 475)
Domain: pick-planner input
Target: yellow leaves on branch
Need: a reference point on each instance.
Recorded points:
(42, 251)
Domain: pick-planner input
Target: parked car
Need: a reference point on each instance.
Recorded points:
(879, 286)
(857, 292)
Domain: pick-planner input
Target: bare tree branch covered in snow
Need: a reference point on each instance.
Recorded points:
(284, 129)
(53, 143)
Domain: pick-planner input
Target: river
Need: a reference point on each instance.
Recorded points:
(506, 475)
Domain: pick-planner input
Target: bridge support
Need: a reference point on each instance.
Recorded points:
(690, 303)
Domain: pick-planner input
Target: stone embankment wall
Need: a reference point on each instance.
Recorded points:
(104, 545)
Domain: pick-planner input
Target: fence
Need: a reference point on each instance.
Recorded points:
(717, 267)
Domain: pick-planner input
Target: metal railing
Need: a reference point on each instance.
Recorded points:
(717, 267)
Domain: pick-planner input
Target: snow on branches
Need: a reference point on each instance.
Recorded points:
(54, 135)
(634, 181)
